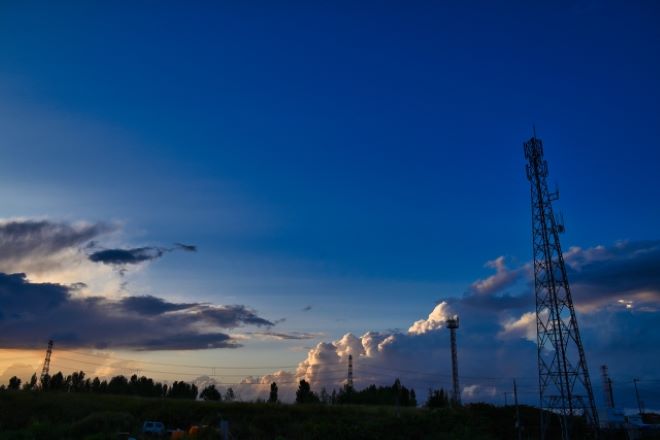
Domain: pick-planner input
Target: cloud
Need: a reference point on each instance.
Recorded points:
(628, 271)
(626, 274)
(497, 337)
(503, 277)
(31, 313)
(307, 308)
(281, 336)
(126, 256)
(437, 319)
(476, 391)
(120, 257)
(420, 357)
(37, 245)
(57, 251)
(522, 327)
(186, 247)
(150, 305)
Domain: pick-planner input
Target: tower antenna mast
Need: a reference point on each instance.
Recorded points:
(46, 367)
(564, 384)
(452, 325)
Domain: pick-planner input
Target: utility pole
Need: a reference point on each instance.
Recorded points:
(452, 325)
(639, 401)
(515, 398)
(349, 379)
(564, 384)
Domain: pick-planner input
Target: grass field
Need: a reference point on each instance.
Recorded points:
(33, 415)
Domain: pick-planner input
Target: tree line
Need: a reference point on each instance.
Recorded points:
(77, 382)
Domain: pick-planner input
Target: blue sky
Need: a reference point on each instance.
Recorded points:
(364, 159)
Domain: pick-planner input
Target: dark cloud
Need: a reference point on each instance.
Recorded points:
(307, 308)
(31, 313)
(627, 271)
(230, 316)
(186, 247)
(599, 276)
(295, 336)
(150, 305)
(121, 257)
(31, 242)
(126, 256)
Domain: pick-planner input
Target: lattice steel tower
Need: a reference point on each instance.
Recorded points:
(564, 384)
(45, 369)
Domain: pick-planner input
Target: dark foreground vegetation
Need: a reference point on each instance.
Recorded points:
(78, 407)
(63, 415)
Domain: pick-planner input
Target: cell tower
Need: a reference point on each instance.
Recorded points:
(349, 379)
(564, 384)
(49, 351)
(452, 325)
(607, 387)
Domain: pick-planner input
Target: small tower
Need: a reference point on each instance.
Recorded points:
(49, 351)
(607, 387)
(452, 325)
(349, 379)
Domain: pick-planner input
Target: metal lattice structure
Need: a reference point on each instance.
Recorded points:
(452, 325)
(564, 384)
(46, 367)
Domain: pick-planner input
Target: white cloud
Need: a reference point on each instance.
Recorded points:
(437, 319)
(502, 278)
(523, 327)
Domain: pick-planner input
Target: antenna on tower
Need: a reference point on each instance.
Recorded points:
(349, 379)
(46, 367)
(452, 325)
(564, 382)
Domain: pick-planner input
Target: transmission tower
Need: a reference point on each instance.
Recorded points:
(452, 325)
(564, 384)
(49, 351)
(607, 387)
(349, 379)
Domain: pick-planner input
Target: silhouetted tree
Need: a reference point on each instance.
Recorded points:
(437, 399)
(324, 396)
(14, 384)
(182, 390)
(229, 395)
(45, 382)
(77, 381)
(210, 393)
(272, 397)
(118, 385)
(305, 394)
(57, 382)
(32, 384)
(396, 394)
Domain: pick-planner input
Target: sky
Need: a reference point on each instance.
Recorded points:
(240, 185)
